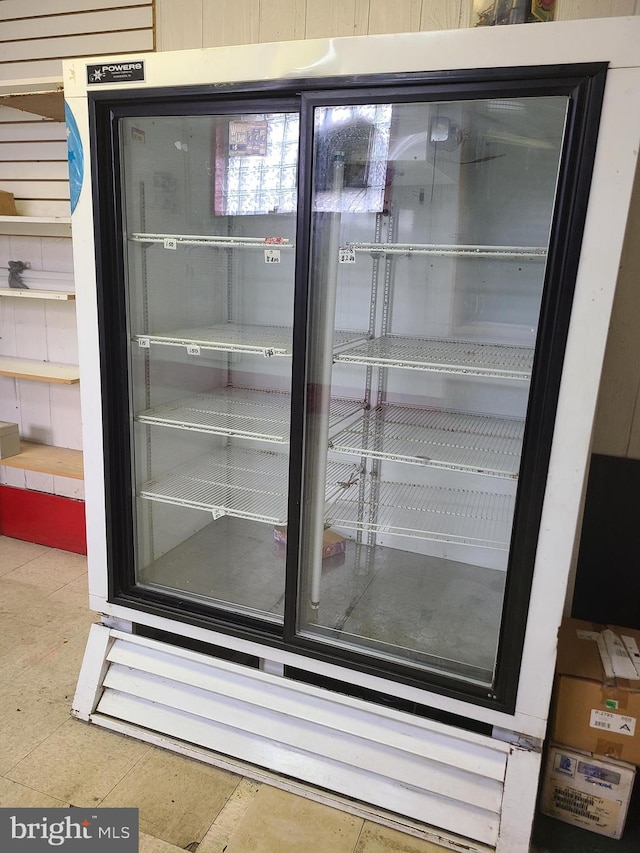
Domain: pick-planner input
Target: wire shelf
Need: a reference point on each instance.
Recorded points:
(239, 412)
(470, 358)
(231, 337)
(452, 250)
(239, 482)
(214, 241)
(429, 512)
(439, 439)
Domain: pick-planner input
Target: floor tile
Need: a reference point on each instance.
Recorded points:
(279, 822)
(15, 552)
(150, 844)
(217, 837)
(55, 674)
(25, 722)
(50, 571)
(79, 763)
(15, 796)
(380, 839)
(22, 647)
(75, 593)
(178, 797)
(31, 605)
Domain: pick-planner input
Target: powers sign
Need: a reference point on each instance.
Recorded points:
(115, 72)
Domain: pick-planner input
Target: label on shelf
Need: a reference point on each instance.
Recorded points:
(193, 349)
(170, 243)
(272, 256)
(346, 255)
(144, 343)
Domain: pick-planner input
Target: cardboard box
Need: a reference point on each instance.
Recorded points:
(586, 790)
(332, 542)
(7, 204)
(9, 439)
(596, 704)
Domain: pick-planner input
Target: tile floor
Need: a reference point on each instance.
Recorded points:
(49, 759)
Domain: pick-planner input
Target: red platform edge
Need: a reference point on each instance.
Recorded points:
(43, 518)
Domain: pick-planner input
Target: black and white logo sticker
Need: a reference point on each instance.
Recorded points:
(115, 72)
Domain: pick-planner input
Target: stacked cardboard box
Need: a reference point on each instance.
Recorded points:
(595, 733)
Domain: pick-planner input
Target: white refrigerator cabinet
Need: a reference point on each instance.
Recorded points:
(341, 338)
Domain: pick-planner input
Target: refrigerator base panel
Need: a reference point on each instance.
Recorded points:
(425, 777)
(444, 611)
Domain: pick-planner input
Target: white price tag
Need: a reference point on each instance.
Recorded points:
(608, 722)
(346, 255)
(193, 349)
(170, 243)
(217, 513)
(144, 343)
(272, 256)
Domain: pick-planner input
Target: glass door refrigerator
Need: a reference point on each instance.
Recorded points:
(342, 312)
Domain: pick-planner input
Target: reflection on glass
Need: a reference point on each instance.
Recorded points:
(430, 229)
(209, 232)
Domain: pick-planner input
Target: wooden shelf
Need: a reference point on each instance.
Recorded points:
(39, 371)
(63, 295)
(36, 226)
(40, 97)
(47, 459)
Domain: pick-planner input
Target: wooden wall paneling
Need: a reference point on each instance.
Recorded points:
(25, 151)
(568, 10)
(32, 70)
(282, 20)
(34, 131)
(33, 190)
(105, 21)
(179, 24)
(230, 23)
(331, 18)
(78, 45)
(403, 16)
(48, 170)
(445, 14)
(33, 163)
(620, 383)
(11, 9)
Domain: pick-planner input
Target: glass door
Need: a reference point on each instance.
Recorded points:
(430, 228)
(209, 217)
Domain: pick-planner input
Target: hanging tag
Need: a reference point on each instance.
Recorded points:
(272, 256)
(170, 243)
(144, 343)
(346, 255)
(193, 349)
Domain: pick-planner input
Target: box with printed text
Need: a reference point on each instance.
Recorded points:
(586, 790)
(596, 705)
